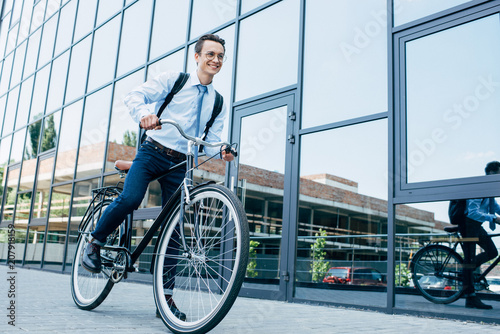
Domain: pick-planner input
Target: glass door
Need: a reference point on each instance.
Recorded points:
(263, 132)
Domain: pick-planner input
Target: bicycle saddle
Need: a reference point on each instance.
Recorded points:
(123, 165)
(451, 229)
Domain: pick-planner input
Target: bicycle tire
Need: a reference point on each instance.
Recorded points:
(437, 274)
(220, 243)
(88, 289)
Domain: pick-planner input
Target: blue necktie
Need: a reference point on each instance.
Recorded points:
(199, 100)
(493, 225)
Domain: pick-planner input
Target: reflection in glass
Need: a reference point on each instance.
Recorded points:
(50, 131)
(40, 93)
(274, 31)
(65, 28)
(261, 184)
(94, 130)
(174, 62)
(452, 101)
(10, 110)
(210, 14)
(345, 41)
(23, 203)
(82, 194)
(44, 179)
(23, 108)
(32, 53)
(31, 148)
(17, 146)
(12, 180)
(134, 36)
(17, 68)
(123, 131)
(342, 227)
(57, 82)
(85, 18)
(77, 74)
(68, 142)
(58, 222)
(47, 43)
(104, 51)
(169, 15)
(410, 10)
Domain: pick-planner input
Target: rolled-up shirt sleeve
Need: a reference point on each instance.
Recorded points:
(477, 209)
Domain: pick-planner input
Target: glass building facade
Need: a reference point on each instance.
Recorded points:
(357, 122)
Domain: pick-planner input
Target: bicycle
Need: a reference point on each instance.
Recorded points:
(205, 230)
(437, 270)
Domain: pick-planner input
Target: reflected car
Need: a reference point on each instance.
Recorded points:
(354, 276)
(494, 283)
(433, 282)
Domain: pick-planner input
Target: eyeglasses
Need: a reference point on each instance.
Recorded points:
(211, 55)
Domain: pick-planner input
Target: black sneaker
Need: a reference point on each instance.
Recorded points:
(91, 259)
(475, 302)
(173, 308)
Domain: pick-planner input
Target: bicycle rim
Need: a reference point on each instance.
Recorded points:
(208, 276)
(437, 274)
(89, 289)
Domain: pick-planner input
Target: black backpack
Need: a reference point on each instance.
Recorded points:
(179, 83)
(456, 211)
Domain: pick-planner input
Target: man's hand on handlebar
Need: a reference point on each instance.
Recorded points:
(228, 153)
(150, 122)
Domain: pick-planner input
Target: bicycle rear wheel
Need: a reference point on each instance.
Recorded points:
(437, 274)
(88, 289)
(204, 280)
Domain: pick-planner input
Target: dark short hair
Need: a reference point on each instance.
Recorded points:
(208, 37)
(493, 166)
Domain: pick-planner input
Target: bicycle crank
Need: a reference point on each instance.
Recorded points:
(120, 265)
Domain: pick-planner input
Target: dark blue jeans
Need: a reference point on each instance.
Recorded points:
(149, 164)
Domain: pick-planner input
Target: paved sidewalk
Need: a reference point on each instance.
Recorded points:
(43, 304)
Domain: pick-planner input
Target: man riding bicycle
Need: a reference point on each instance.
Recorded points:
(477, 212)
(191, 108)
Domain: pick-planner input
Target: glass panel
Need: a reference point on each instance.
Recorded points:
(104, 51)
(82, 195)
(7, 69)
(57, 82)
(3, 101)
(134, 36)
(174, 62)
(24, 26)
(44, 179)
(274, 31)
(58, 224)
(23, 108)
(52, 7)
(34, 244)
(38, 15)
(32, 53)
(4, 155)
(94, 130)
(78, 69)
(40, 93)
(248, 5)
(10, 194)
(4, 28)
(65, 27)
(211, 14)
(21, 222)
(452, 103)
(17, 69)
(123, 132)
(342, 227)
(85, 18)
(17, 151)
(10, 111)
(107, 9)
(12, 39)
(50, 131)
(169, 15)
(353, 35)
(261, 182)
(410, 10)
(31, 148)
(68, 142)
(48, 39)
(16, 10)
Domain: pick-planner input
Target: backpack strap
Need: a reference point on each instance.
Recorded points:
(179, 83)
(219, 101)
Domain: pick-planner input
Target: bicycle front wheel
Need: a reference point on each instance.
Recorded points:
(205, 277)
(437, 274)
(88, 289)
